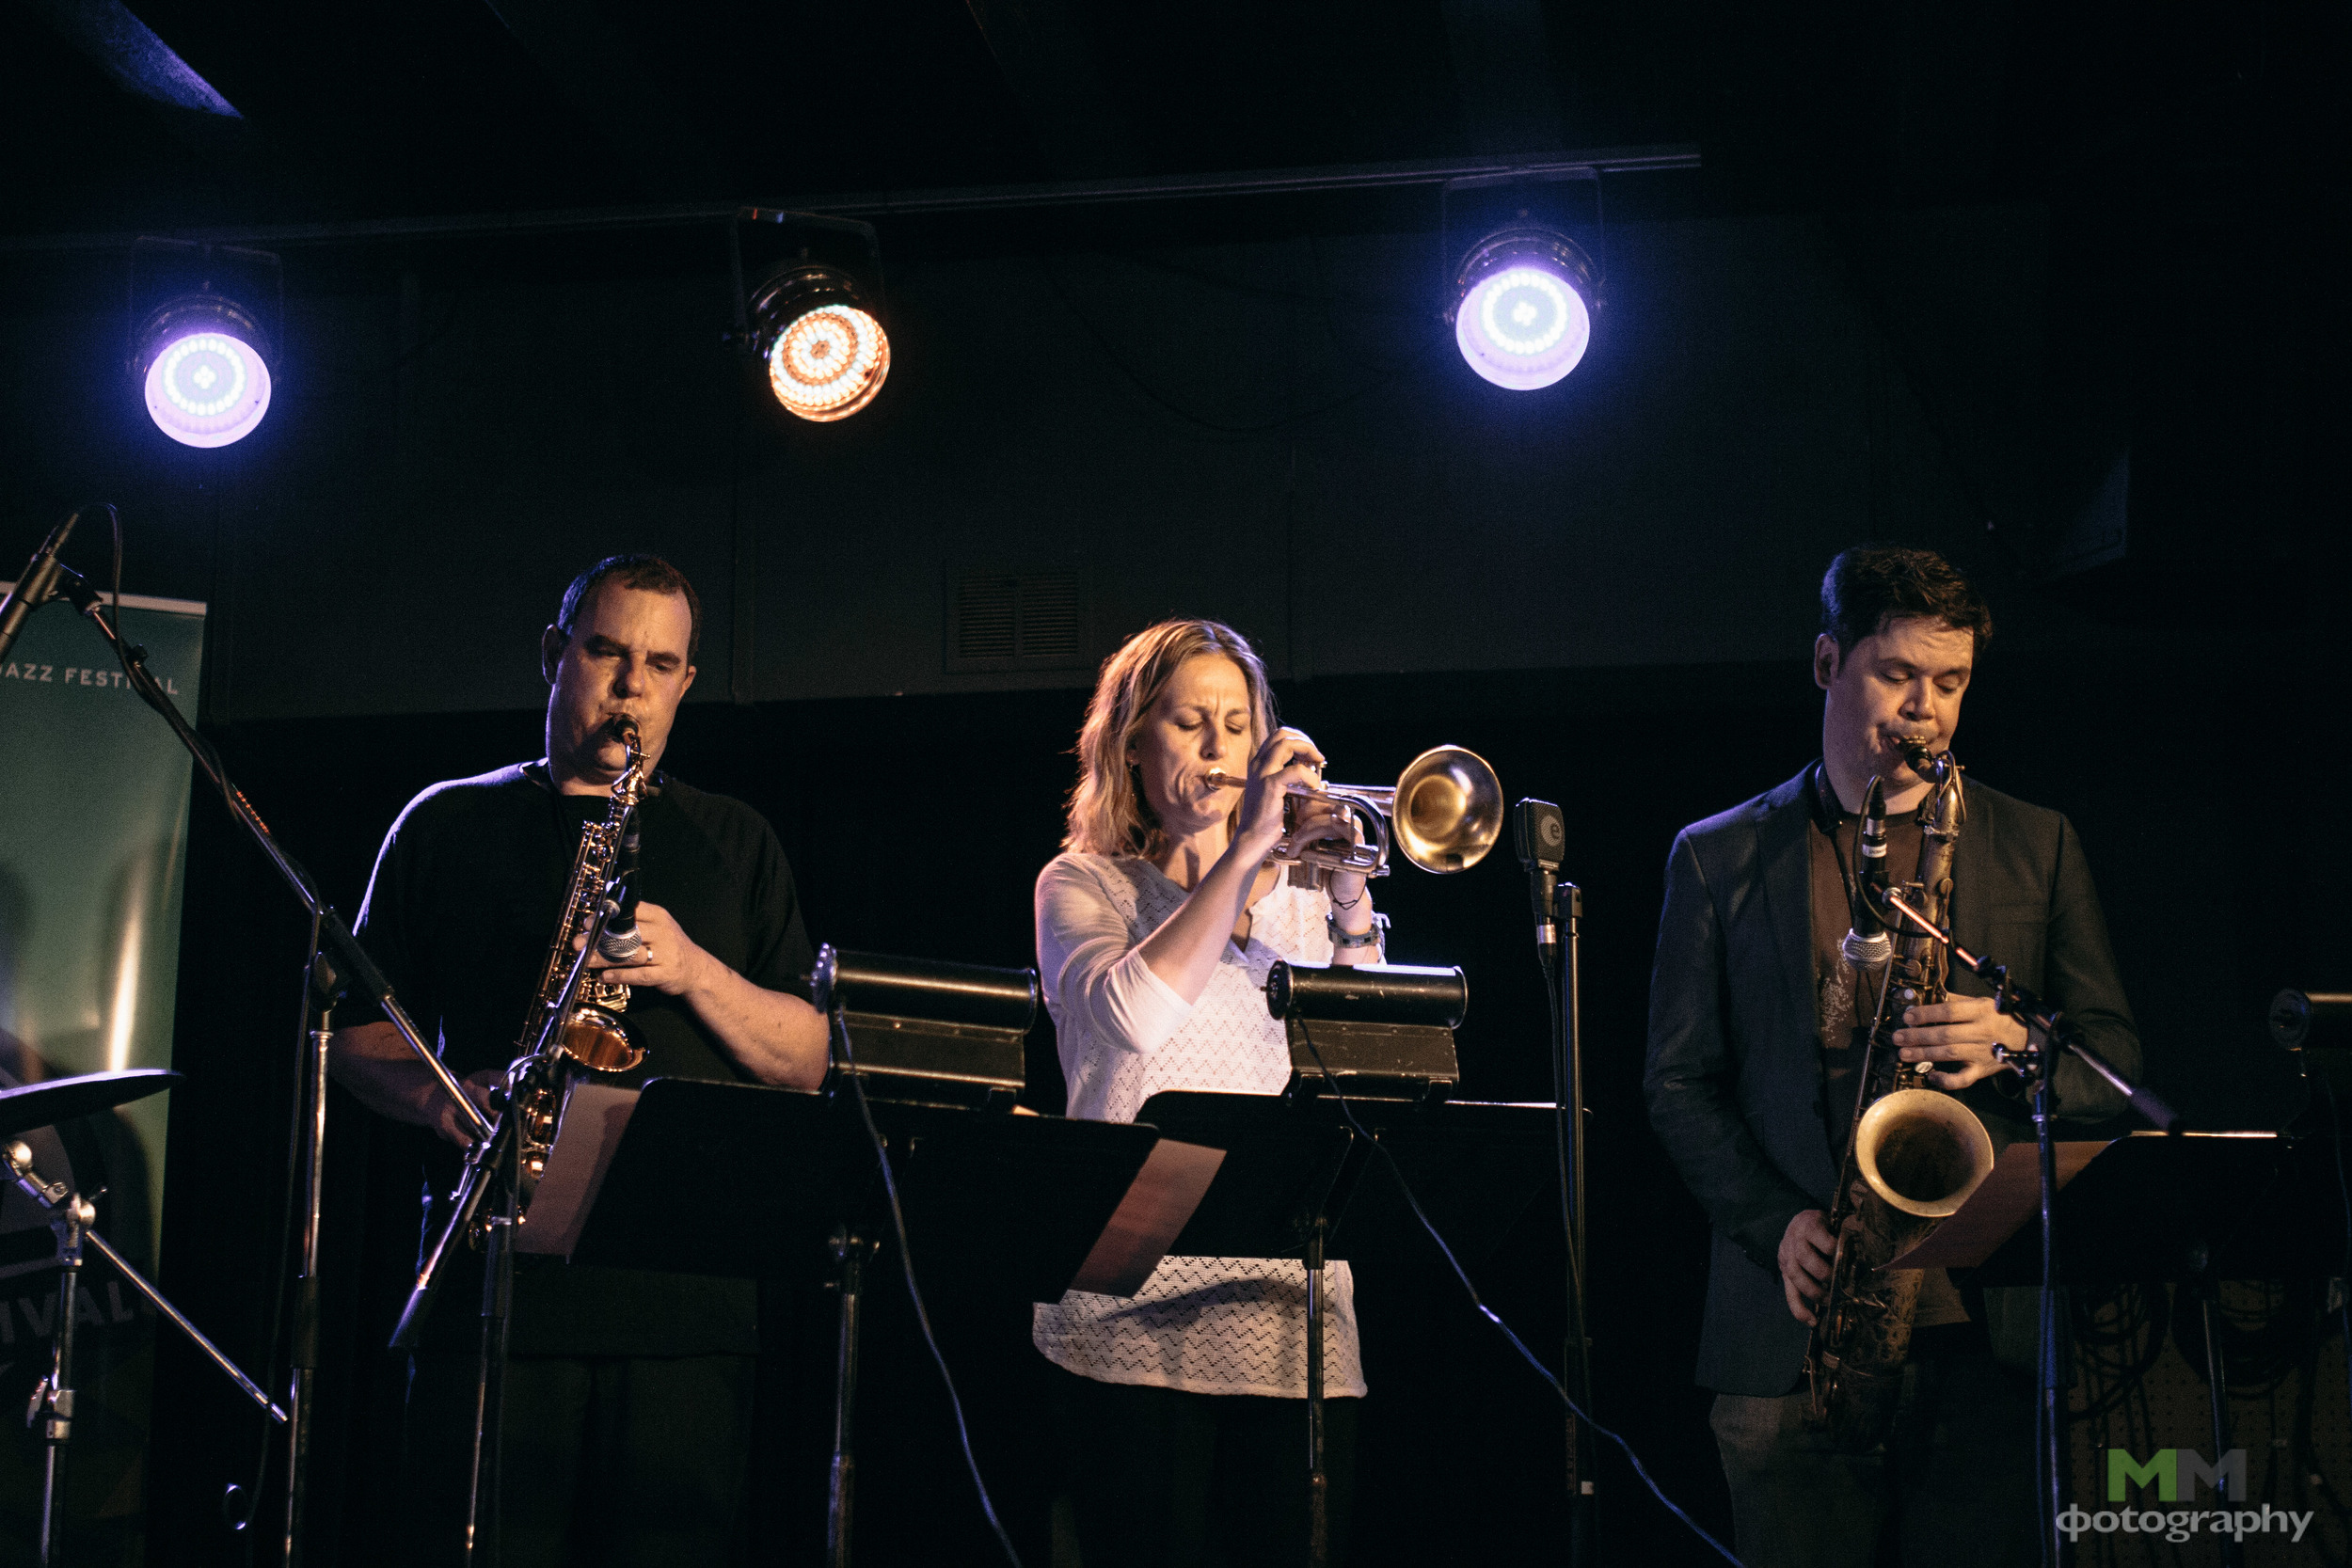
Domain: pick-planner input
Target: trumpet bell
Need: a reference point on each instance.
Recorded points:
(1448, 810)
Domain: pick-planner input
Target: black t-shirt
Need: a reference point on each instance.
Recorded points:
(464, 903)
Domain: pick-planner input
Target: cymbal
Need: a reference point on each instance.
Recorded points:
(63, 1099)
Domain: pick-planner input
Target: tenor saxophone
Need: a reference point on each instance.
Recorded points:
(1913, 1156)
(574, 1030)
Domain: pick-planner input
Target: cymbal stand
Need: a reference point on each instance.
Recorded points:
(72, 1216)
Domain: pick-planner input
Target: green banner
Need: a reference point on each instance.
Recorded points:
(93, 849)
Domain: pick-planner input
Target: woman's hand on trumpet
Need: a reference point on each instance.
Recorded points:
(1288, 763)
(1288, 766)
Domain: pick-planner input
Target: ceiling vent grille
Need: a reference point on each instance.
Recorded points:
(1014, 620)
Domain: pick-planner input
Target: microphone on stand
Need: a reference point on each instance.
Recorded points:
(1541, 836)
(1867, 945)
(36, 587)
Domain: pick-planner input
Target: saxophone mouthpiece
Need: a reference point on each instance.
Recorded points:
(1928, 765)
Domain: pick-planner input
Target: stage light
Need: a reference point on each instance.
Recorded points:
(1523, 306)
(203, 362)
(825, 352)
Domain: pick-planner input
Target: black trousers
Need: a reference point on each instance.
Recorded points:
(1953, 1487)
(1165, 1479)
(607, 1462)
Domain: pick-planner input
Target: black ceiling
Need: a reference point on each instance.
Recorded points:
(383, 109)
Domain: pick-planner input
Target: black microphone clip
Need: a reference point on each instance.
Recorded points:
(1867, 945)
(619, 941)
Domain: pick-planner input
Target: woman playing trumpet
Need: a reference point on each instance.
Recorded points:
(1155, 929)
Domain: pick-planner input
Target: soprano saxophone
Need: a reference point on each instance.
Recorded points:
(1913, 1156)
(573, 1030)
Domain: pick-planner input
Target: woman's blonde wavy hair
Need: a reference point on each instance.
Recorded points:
(1108, 815)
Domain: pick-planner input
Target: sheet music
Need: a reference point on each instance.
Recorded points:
(1158, 1204)
(2007, 1198)
(595, 1116)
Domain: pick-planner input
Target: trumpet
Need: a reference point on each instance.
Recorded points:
(1446, 808)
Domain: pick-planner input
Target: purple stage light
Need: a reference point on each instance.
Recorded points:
(202, 367)
(1522, 311)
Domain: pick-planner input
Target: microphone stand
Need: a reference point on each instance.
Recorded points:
(351, 959)
(2048, 1031)
(1569, 1071)
(1559, 909)
(338, 958)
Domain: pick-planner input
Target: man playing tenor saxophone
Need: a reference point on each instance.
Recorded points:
(1756, 1034)
(627, 1395)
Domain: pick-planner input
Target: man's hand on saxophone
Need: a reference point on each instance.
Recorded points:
(670, 961)
(777, 1039)
(376, 1064)
(1964, 1030)
(1806, 1250)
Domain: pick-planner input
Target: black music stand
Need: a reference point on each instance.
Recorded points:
(1292, 1167)
(750, 1182)
(2146, 1207)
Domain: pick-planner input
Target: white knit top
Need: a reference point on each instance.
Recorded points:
(1209, 1325)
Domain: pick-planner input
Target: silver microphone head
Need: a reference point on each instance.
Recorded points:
(619, 943)
(1871, 951)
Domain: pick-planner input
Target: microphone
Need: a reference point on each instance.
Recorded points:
(620, 942)
(1541, 836)
(36, 587)
(1867, 944)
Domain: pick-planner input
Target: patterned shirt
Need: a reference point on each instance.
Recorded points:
(1210, 1326)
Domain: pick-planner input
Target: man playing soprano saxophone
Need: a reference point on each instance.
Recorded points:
(1755, 1034)
(628, 1394)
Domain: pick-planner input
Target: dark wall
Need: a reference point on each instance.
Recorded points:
(917, 825)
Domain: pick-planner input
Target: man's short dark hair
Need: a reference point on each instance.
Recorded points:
(1869, 585)
(648, 573)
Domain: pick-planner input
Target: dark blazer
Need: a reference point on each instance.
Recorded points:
(1734, 1078)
